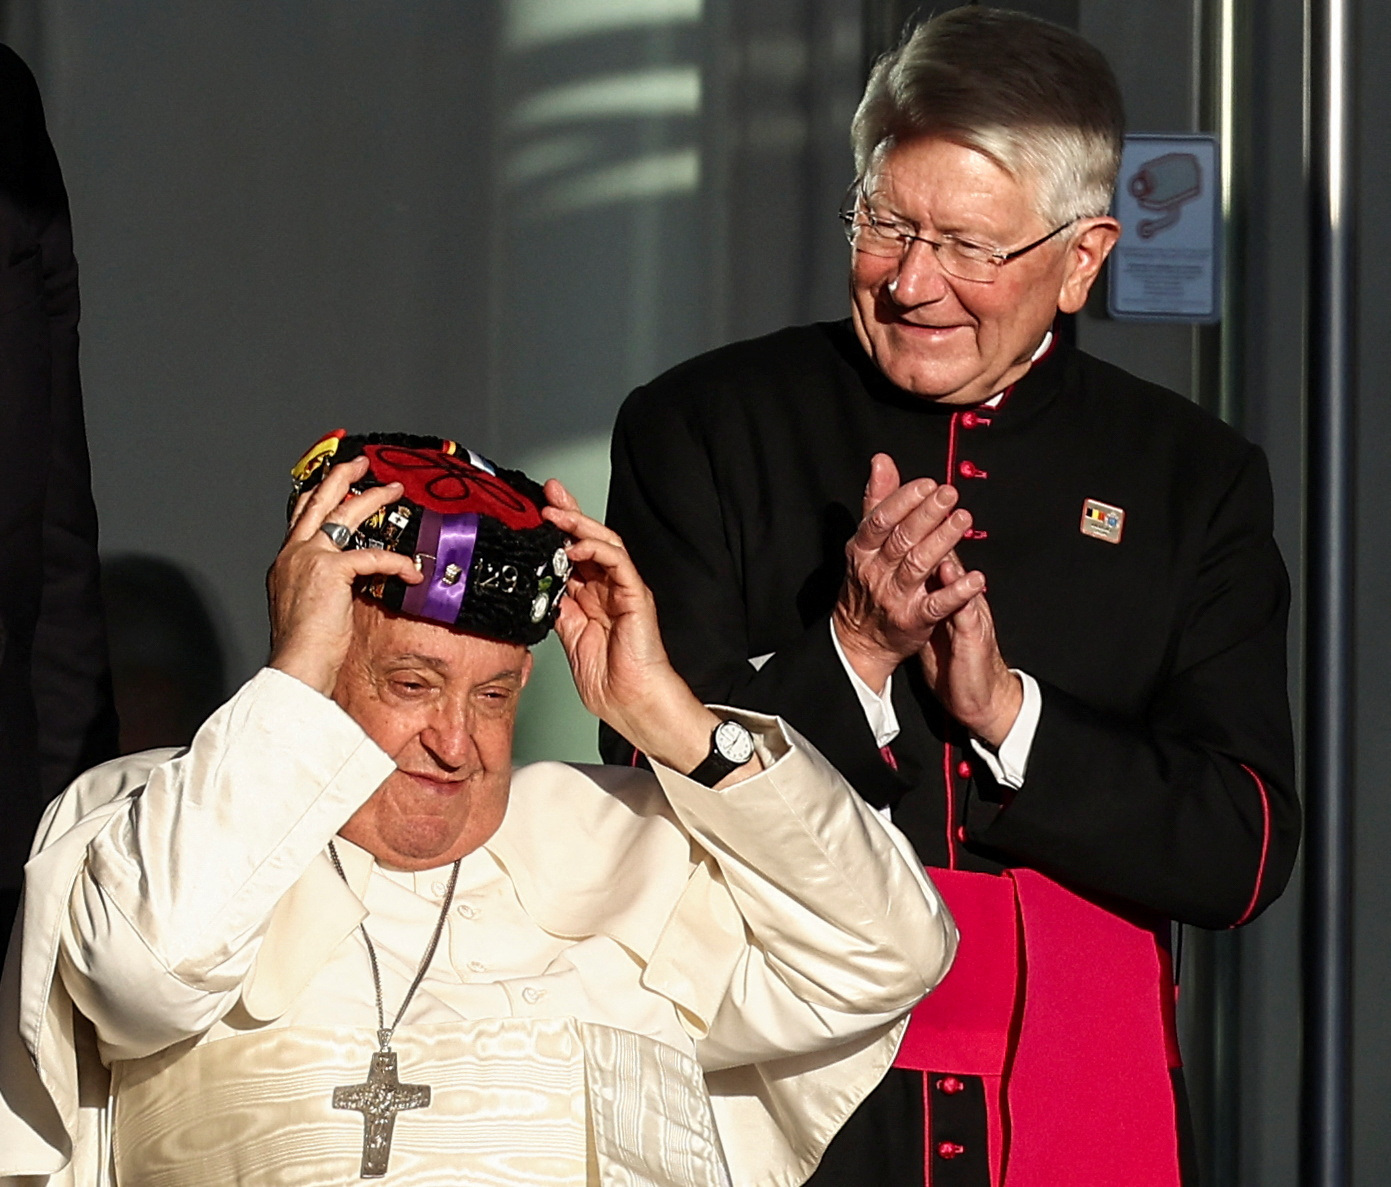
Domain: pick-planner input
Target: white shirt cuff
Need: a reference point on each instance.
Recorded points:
(878, 706)
(1009, 762)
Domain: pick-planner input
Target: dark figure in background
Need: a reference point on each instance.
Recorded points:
(56, 715)
(1096, 746)
(166, 658)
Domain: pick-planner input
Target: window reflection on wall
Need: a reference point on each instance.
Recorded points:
(595, 230)
(595, 253)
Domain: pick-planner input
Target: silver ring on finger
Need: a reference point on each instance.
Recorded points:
(340, 535)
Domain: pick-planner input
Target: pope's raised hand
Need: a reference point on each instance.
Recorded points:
(310, 583)
(608, 627)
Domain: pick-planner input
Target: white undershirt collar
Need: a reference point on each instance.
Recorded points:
(994, 401)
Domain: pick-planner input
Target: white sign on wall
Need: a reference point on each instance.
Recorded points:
(1167, 264)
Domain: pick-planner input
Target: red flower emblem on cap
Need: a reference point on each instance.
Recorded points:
(448, 484)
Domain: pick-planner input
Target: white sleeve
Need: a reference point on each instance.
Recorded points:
(838, 929)
(878, 706)
(1009, 762)
(167, 915)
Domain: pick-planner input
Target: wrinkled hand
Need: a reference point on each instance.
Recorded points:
(963, 666)
(310, 583)
(894, 594)
(608, 627)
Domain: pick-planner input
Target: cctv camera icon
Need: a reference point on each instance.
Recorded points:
(1164, 184)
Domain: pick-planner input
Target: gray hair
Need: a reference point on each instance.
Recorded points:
(1035, 98)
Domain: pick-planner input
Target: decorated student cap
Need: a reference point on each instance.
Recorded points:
(492, 565)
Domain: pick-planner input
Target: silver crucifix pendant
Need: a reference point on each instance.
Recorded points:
(379, 1100)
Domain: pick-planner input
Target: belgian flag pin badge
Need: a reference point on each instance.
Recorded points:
(1101, 521)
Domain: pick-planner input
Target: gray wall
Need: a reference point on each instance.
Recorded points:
(487, 219)
(277, 216)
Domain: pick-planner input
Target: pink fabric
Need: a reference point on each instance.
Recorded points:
(1069, 1009)
(1089, 1088)
(963, 1026)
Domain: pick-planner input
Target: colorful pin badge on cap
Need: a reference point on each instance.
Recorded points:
(1101, 521)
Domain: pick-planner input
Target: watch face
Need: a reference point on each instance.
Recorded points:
(734, 742)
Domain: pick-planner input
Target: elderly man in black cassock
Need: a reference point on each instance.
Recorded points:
(1098, 741)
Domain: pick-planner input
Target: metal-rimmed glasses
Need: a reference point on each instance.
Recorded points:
(878, 235)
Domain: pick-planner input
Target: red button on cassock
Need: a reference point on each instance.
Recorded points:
(950, 1149)
(963, 768)
(969, 469)
(969, 420)
(950, 1085)
(961, 833)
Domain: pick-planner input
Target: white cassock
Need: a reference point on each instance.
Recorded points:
(641, 980)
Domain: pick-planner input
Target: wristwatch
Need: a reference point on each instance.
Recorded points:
(731, 746)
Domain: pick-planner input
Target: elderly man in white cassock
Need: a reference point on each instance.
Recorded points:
(339, 937)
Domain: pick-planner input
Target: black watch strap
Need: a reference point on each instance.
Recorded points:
(731, 746)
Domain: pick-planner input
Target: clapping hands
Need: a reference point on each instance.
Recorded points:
(906, 594)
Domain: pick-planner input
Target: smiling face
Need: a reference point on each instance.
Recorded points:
(960, 341)
(443, 704)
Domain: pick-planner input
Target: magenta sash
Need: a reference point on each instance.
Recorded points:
(1066, 1012)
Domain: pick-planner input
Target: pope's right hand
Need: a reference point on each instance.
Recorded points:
(310, 583)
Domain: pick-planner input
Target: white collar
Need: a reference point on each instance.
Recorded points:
(994, 401)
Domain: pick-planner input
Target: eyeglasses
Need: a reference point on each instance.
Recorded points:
(878, 235)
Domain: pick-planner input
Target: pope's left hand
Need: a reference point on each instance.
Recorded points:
(608, 627)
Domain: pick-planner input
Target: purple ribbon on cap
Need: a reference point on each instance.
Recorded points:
(451, 540)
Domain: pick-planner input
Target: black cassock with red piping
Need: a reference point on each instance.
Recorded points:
(1160, 782)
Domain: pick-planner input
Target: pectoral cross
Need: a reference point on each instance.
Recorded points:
(379, 1100)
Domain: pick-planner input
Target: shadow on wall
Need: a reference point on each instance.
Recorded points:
(168, 664)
